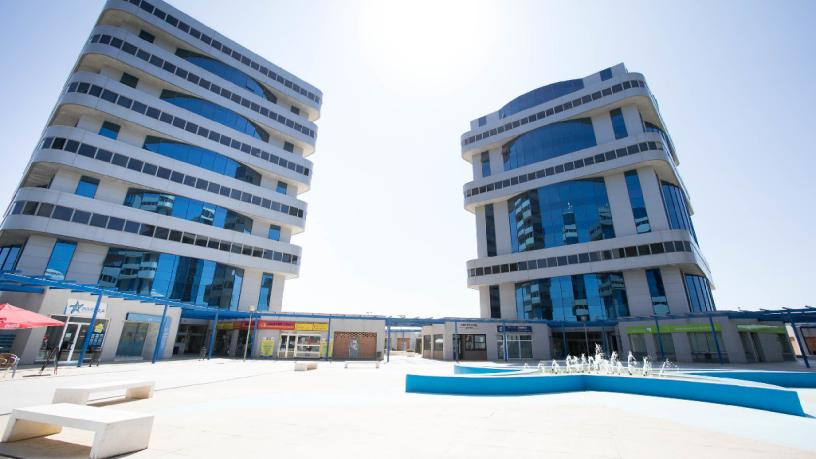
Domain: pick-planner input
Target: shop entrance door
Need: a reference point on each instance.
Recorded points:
(69, 340)
(354, 348)
(132, 341)
(287, 346)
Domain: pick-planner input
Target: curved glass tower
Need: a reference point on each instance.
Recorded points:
(581, 214)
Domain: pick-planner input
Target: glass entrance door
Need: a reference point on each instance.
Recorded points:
(287, 347)
(132, 341)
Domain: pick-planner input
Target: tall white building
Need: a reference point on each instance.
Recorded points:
(581, 214)
(171, 166)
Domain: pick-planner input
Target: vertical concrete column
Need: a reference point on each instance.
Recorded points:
(623, 221)
(602, 125)
(86, 264)
(503, 245)
(250, 288)
(496, 161)
(484, 301)
(653, 198)
(35, 255)
(507, 294)
(637, 293)
(631, 117)
(276, 296)
(675, 290)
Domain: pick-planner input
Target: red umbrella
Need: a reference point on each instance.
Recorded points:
(12, 318)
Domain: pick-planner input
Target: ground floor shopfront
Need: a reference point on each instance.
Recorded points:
(123, 329)
(686, 340)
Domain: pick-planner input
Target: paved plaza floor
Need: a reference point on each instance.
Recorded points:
(229, 408)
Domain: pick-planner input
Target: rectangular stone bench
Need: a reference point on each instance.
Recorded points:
(376, 363)
(305, 366)
(81, 394)
(115, 432)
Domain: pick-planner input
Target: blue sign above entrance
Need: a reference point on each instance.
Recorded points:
(139, 317)
(514, 328)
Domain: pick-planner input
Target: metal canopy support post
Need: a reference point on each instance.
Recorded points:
(88, 332)
(246, 341)
(586, 339)
(456, 341)
(716, 341)
(605, 341)
(328, 340)
(212, 336)
(564, 341)
(161, 332)
(798, 335)
(388, 344)
(659, 340)
(254, 336)
(504, 340)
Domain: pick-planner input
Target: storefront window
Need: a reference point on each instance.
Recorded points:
(668, 346)
(61, 256)
(518, 346)
(638, 346)
(704, 349)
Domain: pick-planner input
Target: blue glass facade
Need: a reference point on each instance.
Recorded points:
(60, 259)
(548, 142)
(109, 130)
(274, 232)
(560, 214)
(660, 304)
(203, 158)
(8, 257)
(188, 209)
(637, 202)
(495, 302)
(87, 187)
(698, 291)
(677, 212)
(580, 297)
(490, 230)
(227, 72)
(171, 276)
(618, 124)
(266, 292)
(540, 95)
(485, 163)
(215, 113)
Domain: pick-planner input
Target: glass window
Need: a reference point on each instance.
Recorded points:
(518, 346)
(495, 302)
(274, 232)
(203, 158)
(698, 292)
(288, 146)
(618, 124)
(548, 142)
(485, 159)
(281, 188)
(8, 257)
(295, 110)
(561, 214)
(215, 113)
(109, 130)
(660, 305)
(606, 74)
(87, 187)
(637, 202)
(60, 259)
(188, 209)
(595, 296)
(674, 201)
(266, 292)
(129, 80)
(540, 95)
(228, 73)
(146, 36)
(182, 278)
(490, 230)
(704, 348)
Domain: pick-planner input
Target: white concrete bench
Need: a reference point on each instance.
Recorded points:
(376, 363)
(115, 432)
(305, 366)
(81, 394)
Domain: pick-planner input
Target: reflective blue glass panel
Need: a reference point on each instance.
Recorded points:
(485, 163)
(171, 276)
(575, 298)
(540, 95)
(281, 188)
(660, 304)
(698, 291)
(548, 142)
(215, 113)
(60, 259)
(495, 303)
(227, 72)
(560, 214)
(109, 130)
(490, 230)
(674, 200)
(606, 74)
(8, 257)
(274, 232)
(202, 157)
(188, 209)
(618, 125)
(266, 292)
(636, 201)
(87, 187)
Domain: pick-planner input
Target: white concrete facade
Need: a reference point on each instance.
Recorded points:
(171, 166)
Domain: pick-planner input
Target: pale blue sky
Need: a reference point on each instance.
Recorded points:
(386, 231)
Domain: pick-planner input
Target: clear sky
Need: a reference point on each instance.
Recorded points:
(386, 230)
